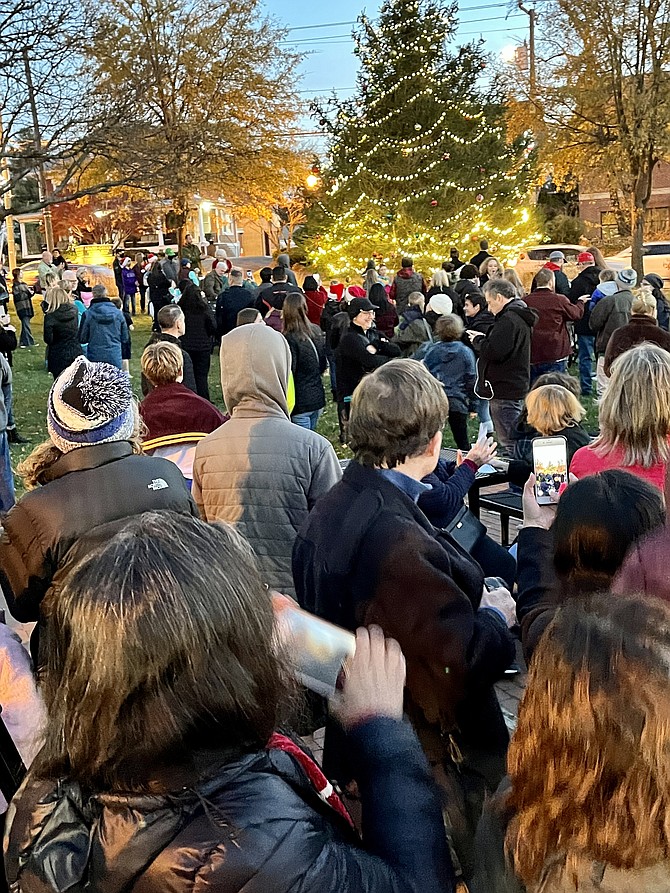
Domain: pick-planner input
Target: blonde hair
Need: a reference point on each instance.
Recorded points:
(483, 268)
(552, 408)
(439, 279)
(644, 304)
(513, 277)
(162, 363)
(56, 296)
(635, 409)
(416, 299)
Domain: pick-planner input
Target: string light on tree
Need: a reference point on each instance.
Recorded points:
(418, 157)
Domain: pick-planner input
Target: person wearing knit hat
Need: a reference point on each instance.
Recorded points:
(609, 314)
(83, 484)
(441, 304)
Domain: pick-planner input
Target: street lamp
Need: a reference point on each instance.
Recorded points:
(312, 181)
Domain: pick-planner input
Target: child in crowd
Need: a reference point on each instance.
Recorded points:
(413, 330)
(606, 287)
(453, 365)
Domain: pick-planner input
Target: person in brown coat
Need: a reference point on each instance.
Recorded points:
(642, 326)
(550, 347)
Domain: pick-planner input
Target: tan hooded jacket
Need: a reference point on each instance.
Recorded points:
(259, 471)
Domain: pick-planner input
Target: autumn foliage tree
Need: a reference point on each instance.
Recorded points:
(201, 105)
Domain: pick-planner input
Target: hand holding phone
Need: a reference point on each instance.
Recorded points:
(550, 466)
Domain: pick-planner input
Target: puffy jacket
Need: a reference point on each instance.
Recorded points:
(23, 300)
(259, 472)
(504, 354)
(608, 315)
(453, 365)
(61, 335)
(308, 363)
(104, 329)
(84, 492)
(251, 824)
(405, 282)
(551, 340)
(213, 286)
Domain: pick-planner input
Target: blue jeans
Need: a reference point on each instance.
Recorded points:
(129, 300)
(586, 357)
(542, 368)
(307, 419)
(26, 339)
(484, 413)
(7, 495)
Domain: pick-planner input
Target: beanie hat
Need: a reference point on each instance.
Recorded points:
(220, 253)
(90, 403)
(626, 278)
(441, 304)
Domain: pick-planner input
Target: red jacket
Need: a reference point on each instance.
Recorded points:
(174, 414)
(550, 335)
(316, 301)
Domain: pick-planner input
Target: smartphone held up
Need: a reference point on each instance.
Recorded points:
(550, 466)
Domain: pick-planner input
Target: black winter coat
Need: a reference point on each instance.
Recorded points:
(388, 565)
(61, 334)
(200, 325)
(228, 305)
(251, 824)
(353, 360)
(584, 283)
(308, 363)
(504, 354)
(87, 496)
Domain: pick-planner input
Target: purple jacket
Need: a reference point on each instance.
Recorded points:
(129, 281)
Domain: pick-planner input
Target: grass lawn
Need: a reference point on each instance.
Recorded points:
(32, 383)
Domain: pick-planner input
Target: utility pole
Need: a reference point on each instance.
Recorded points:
(7, 202)
(532, 16)
(46, 212)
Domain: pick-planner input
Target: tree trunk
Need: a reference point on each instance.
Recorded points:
(638, 214)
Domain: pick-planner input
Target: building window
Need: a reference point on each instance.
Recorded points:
(658, 222)
(609, 229)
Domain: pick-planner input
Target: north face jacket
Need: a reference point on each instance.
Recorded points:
(259, 472)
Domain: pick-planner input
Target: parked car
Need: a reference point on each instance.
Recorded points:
(656, 259)
(96, 274)
(532, 259)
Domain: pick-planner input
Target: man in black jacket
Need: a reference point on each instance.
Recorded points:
(503, 368)
(481, 255)
(229, 303)
(585, 283)
(172, 323)
(388, 565)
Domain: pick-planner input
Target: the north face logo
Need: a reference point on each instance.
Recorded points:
(158, 484)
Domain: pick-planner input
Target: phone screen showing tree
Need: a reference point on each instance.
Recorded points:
(550, 463)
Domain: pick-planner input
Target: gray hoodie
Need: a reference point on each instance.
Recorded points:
(259, 471)
(283, 260)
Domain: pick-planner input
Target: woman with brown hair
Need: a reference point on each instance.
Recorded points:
(163, 767)
(586, 806)
(308, 361)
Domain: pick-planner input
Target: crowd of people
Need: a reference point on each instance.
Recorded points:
(160, 712)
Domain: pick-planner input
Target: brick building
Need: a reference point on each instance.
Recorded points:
(596, 210)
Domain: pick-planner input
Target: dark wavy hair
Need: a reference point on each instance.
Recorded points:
(588, 763)
(598, 518)
(192, 300)
(160, 643)
(379, 298)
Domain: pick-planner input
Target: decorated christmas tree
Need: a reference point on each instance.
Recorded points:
(418, 158)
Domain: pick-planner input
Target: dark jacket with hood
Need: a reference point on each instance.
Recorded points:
(199, 319)
(584, 283)
(480, 322)
(250, 823)
(85, 490)
(61, 335)
(638, 330)
(353, 360)
(405, 282)
(284, 261)
(388, 565)
(413, 331)
(462, 289)
(453, 365)
(504, 354)
(105, 331)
